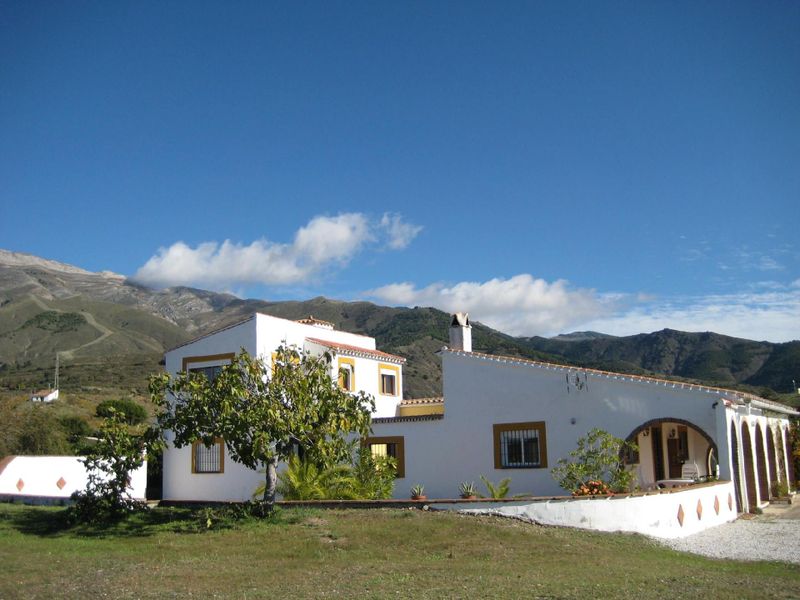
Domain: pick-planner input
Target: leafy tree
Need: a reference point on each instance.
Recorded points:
(262, 414)
(130, 412)
(109, 463)
(597, 459)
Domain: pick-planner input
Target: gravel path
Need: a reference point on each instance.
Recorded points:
(767, 537)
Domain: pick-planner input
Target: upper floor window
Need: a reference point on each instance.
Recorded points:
(347, 373)
(210, 366)
(388, 384)
(211, 373)
(520, 445)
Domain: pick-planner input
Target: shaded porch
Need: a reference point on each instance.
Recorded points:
(672, 452)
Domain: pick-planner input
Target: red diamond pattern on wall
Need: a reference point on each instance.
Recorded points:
(61, 483)
(716, 504)
(20, 485)
(680, 514)
(699, 510)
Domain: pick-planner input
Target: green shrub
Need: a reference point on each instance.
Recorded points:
(597, 460)
(131, 412)
(108, 465)
(41, 434)
(497, 491)
(76, 430)
(366, 478)
(372, 477)
(304, 480)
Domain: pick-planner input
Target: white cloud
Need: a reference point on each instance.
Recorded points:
(521, 305)
(772, 315)
(400, 233)
(323, 243)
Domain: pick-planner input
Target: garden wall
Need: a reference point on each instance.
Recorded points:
(671, 513)
(52, 479)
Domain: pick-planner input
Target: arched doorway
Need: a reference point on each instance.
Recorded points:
(736, 475)
(772, 462)
(761, 466)
(671, 451)
(749, 471)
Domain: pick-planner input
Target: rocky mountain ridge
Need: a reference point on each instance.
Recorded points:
(101, 323)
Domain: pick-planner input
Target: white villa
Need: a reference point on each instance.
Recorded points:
(200, 473)
(504, 417)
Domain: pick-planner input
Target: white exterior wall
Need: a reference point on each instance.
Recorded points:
(272, 332)
(37, 478)
(260, 336)
(668, 515)
(480, 392)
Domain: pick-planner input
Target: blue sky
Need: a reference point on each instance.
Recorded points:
(549, 167)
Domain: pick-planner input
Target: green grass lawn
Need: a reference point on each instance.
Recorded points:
(355, 553)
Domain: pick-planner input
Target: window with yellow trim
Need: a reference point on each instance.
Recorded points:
(393, 446)
(208, 459)
(347, 373)
(389, 380)
(210, 371)
(520, 445)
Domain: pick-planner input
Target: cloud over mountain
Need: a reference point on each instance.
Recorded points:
(323, 243)
(520, 305)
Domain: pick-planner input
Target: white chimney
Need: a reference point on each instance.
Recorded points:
(461, 333)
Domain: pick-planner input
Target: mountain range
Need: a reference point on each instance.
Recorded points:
(109, 331)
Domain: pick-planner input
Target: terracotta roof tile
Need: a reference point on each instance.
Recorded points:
(347, 348)
(416, 401)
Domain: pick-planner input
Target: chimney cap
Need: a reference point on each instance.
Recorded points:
(460, 319)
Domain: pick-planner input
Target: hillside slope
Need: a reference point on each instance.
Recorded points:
(111, 332)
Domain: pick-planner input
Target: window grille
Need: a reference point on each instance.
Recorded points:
(520, 448)
(208, 459)
(520, 445)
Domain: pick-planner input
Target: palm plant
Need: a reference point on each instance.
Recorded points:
(497, 491)
(304, 480)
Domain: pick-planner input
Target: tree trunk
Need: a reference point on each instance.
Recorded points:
(271, 483)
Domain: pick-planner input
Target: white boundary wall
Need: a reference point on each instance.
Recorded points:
(668, 515)
(53, 478)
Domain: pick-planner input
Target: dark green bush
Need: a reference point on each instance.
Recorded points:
(41, 434)
(130, 412)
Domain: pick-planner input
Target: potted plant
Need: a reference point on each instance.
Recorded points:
(467, 490)
(418, 492)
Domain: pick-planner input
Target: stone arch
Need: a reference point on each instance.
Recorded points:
(749, 471)
(782, 470)
(786, 440)
(736, 475)
(761, 465)
(772, 461)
